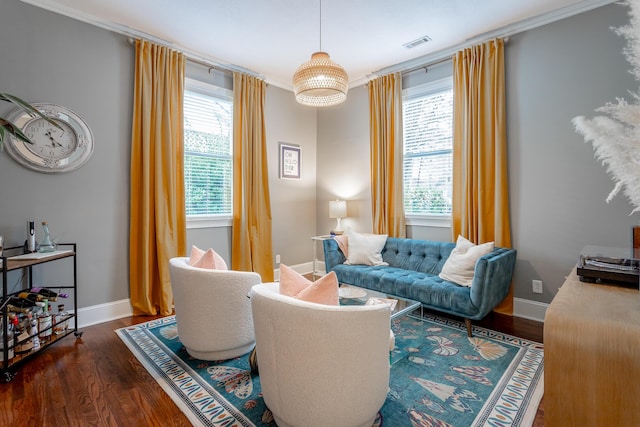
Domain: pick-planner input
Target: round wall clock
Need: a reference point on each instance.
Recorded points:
(54, 149)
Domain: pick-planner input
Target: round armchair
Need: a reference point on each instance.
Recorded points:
(213, 310)
(320, 365)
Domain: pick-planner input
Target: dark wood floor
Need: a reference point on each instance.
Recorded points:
(96, 381)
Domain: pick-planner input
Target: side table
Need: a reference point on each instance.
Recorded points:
(314, 241)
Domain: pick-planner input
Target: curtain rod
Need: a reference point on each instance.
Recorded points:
(198, 59)
(427, 65)
(437, 61)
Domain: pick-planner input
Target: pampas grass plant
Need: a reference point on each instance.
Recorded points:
(615, 136)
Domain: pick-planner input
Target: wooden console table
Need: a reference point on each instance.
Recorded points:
(592, 356)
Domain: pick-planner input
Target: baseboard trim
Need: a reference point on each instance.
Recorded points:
(528, 309)
(88, 316)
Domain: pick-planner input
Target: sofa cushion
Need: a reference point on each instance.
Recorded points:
(461, 264)
(416, 255)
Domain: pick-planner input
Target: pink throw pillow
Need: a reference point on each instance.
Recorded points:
(343, 243)
(195, 255)
(210, 259)
(292, 282)
(322, 291)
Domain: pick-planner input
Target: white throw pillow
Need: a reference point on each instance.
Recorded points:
(366, 248)
(461, 264)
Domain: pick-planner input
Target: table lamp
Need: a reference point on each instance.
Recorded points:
(338, 210)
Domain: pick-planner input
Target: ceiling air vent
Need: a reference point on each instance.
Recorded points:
(417, 42)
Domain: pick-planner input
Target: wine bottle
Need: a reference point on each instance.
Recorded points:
(30, 296)
(48, 293)
(20, 305)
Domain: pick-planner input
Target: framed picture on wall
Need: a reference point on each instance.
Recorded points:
(290, 159)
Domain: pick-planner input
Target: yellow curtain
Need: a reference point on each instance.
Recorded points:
(251, 242)
(158, 219)
(385, 121)
(480, 207)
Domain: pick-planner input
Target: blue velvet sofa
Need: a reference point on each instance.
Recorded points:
(413, 271)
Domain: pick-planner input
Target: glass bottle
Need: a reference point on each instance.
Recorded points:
(60, 321)
(2, 340)
(10, 345)
(46, 245)
(16, 334)
(25, 338)
(9, 341)
(44, 322)
(34, 332)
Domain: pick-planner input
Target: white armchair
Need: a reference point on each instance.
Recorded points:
(213, 310)
(320, 365)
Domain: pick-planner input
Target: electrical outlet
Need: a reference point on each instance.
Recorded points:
(277, 259)
(536, 286)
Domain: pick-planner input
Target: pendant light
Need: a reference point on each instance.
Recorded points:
(320, 82)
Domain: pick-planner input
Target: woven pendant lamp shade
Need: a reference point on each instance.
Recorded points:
(320, 82)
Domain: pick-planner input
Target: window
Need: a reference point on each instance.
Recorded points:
(208, 161)
(428, 140)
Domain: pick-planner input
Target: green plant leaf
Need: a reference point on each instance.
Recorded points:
(7, 127)
(34, 112)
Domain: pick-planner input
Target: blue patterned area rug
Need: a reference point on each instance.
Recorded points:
(439, 377)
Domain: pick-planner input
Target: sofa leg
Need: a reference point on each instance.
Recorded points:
(467, 322)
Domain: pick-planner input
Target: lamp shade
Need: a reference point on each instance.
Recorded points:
(337, 209)
(320, 82)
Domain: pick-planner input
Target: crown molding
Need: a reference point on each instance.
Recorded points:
(420, 62)
(136, 34)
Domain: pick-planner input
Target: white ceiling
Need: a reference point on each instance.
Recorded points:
(272, 38)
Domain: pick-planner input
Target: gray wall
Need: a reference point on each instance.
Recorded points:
(293, 202)
(557, 188)
(50, 58)
(343, 162)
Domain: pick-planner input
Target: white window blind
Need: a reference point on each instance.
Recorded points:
(208, 168)
(428, 139)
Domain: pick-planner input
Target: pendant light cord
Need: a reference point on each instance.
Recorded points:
(320, 25)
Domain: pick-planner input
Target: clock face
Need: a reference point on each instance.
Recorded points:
(49, 141)
(55, 149)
